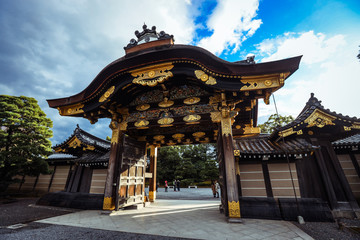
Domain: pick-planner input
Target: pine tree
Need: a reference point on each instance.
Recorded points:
(24, 139)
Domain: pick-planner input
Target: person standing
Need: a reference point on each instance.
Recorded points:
(213, 188)
(166, 186)
(178, 184)
(217, 188)
(174, 184)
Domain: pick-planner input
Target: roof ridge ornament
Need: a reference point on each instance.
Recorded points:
(146, 35)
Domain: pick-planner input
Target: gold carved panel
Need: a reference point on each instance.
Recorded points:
(152, 75)
(234, 209)
(319, 119)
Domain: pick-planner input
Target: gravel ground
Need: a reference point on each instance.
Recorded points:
(326, 230)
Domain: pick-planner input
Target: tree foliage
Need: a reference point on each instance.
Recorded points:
(24, 139)
(189, 164)
(275, 121)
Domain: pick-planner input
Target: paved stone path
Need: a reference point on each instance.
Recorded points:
(196, 219)
(185, 194)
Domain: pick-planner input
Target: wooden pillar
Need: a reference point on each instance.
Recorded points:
(329, 189)
(340, 173)
(265, 168)
(152, 185)
(230, 169)
(355, 163)
(110, 183)
(52, 178)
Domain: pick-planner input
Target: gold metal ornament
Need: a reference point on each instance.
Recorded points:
(141, 123)
(199, 134)
(107, 94)
(178, 137)
(142, 107)
(192, 100)
(209, 80)
(166, 103)
(158, 137)
(165, 121)
(152, 75)
(192, 118)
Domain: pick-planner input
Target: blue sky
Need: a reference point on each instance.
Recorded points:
(53, 49)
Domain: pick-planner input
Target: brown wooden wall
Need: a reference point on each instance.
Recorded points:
(98, 181)
(350, 172)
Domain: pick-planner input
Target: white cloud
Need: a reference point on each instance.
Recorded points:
(315, 48)
(231, 22)
(329, 69)
(59, 47)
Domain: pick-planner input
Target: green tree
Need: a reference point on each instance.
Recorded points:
(24, 139)
(275, 121)
(190, 163)
(167, 161)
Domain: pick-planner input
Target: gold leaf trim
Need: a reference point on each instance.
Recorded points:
(108, 203)
(287, 132)
(71, 110)
(152, 196)
(107, 94)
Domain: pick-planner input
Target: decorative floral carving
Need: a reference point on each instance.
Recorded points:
(234, 209)
(152, 75)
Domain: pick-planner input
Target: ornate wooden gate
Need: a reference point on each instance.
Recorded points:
(131, 177)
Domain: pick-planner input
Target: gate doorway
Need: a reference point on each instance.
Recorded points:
(163, 94)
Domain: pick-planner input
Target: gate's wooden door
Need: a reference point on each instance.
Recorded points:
(131, 175)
